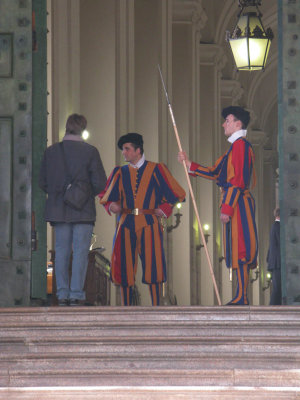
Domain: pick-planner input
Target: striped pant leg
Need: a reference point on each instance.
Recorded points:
(150, 248)
(128, 260)
(126, 295)
(242, 275)
(151, 252)
(155, 293)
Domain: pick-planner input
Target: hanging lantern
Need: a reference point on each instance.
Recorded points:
(249, 42)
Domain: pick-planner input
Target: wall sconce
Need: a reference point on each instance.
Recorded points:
(178, 216)
(206, 236)
(249, 42)
(85, 135)
(256, 273)
(269, 279)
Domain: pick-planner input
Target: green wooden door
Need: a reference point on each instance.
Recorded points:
(16, 140)
(289, 148)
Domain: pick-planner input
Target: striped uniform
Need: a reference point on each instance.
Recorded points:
(232, 173)
(149, 187)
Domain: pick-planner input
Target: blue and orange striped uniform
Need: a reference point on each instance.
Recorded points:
(233, 172)
(149, 187)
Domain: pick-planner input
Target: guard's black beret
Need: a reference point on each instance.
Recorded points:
(134, 138)
(238, 112)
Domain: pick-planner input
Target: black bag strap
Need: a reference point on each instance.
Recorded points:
(69, 176)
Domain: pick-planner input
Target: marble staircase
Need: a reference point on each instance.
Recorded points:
(150, 353)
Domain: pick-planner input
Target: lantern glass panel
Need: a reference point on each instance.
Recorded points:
(250, 53)
(239, 49)
(257, 51)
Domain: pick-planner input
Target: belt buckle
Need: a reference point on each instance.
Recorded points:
(135, 211)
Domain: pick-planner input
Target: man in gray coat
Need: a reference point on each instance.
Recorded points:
(73, 227)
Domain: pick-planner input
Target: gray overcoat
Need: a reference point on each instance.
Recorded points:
(81, 158)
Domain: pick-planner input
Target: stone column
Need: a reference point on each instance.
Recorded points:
(125, 70)
(153, 38)
(188, 19)
(97, 96)
(208, 149)
(65, 41)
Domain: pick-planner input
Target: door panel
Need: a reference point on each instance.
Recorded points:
(15, 150)
(6, 146)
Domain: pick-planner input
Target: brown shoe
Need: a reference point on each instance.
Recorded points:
(63, 302)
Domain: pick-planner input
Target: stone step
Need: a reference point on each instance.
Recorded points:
(189, 321)
(150, 393)
(143, 346)
(204, 353)
(59, 377)
(135, 344)
(147, 314)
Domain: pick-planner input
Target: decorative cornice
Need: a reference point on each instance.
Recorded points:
(257, 137)
(231, 89)
(212, 54)
(189, 11)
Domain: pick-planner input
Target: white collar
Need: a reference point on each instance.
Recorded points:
(139, 163)
(75, 138)
(236, 135)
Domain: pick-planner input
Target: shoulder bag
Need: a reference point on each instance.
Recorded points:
(76, 191)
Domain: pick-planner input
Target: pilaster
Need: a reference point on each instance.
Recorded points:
(125, 68)
(188, 19)
(211, 61)
(65, 35)
(98, 97)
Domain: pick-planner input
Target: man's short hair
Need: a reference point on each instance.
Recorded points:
(76, 124)
(239, 113)
(277, 213)
(134, 138)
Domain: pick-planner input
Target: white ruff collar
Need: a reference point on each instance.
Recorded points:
(236, 135)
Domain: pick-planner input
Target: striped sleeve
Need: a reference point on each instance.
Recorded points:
(211, 173)
(111, 192)
(171, 191)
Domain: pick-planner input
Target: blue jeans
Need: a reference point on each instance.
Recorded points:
(68, 237)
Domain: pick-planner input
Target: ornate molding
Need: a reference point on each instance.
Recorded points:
(189, 11)
(212, 54)
(257, 137)
(231, 89)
